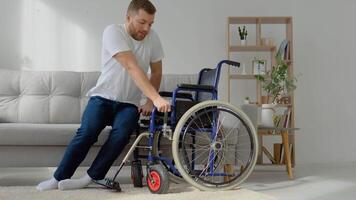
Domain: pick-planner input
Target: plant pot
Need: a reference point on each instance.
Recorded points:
(267, 113)
(243, 42)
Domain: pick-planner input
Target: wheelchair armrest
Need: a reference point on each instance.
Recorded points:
(178, 95)
(196, 87)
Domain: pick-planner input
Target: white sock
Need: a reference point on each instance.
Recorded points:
(70, 184)
(47, 185)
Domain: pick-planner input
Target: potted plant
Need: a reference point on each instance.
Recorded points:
(277, 83)
(243, 34)
(247, 100)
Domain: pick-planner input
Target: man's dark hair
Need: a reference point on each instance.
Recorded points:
(146, 5)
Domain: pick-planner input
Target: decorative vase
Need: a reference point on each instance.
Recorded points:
(268, 110)
(243, 42)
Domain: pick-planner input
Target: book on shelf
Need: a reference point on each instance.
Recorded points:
(287, 117)
(283, 50)
(286, 52)
(282, 121)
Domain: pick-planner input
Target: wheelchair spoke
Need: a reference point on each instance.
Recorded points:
(241, 156)
(223, 132)
(236, 136)
(200, 146)
(239, 143)
(230, 132)
(233, 149)
(207, 165)
(189, 121)
(199, 136)
(200, 129)
(198, 156)
(202, 124)
(219, 126)
(208, 116)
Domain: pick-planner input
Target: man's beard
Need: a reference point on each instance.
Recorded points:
(137, 35)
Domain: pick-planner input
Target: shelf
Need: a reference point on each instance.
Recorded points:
(243, 20)
(240, 76)
(260, 20)
(275, 20)
(251, 48)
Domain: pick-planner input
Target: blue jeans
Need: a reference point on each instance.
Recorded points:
(98, 114)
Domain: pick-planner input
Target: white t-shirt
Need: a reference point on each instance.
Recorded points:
(114, 82)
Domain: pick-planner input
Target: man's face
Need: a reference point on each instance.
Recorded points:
(139, 24)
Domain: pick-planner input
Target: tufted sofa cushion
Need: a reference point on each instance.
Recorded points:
(56, 97)
(44, 97)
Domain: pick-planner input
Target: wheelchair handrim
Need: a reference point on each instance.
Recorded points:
(177, 133)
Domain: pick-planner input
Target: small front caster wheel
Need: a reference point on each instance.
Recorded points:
(136, 173)
(157, 179)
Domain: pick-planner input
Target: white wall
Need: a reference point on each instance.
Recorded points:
(66, 34)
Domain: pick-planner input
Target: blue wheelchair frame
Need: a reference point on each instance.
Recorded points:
(206, 84)
(212, 89)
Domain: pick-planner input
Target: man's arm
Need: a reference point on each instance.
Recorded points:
(156, 74)
(128, 61)
(155, 79)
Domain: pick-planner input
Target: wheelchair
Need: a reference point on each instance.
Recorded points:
(212, 145)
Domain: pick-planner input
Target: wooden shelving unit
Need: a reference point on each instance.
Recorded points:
(251, 48)
(233, 49)
(257, 47)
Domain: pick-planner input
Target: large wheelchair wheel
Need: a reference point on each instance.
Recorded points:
(215, 146)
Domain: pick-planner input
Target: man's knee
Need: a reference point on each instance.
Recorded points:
(121, 134)
(88, 134)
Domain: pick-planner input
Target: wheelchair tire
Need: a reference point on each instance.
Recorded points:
(136, 173)
(228, 141)
(159, 184)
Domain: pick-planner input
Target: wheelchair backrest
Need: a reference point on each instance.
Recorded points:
(208, 80)
(207, 77)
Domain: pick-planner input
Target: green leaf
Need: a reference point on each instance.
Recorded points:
(277, 80)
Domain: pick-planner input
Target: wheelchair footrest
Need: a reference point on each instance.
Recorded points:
(109, 184)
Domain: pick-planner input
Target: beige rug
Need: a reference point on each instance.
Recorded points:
(177, 192)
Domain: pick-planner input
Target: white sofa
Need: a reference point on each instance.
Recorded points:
(40, 112)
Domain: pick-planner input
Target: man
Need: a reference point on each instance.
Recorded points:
(127, 53)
